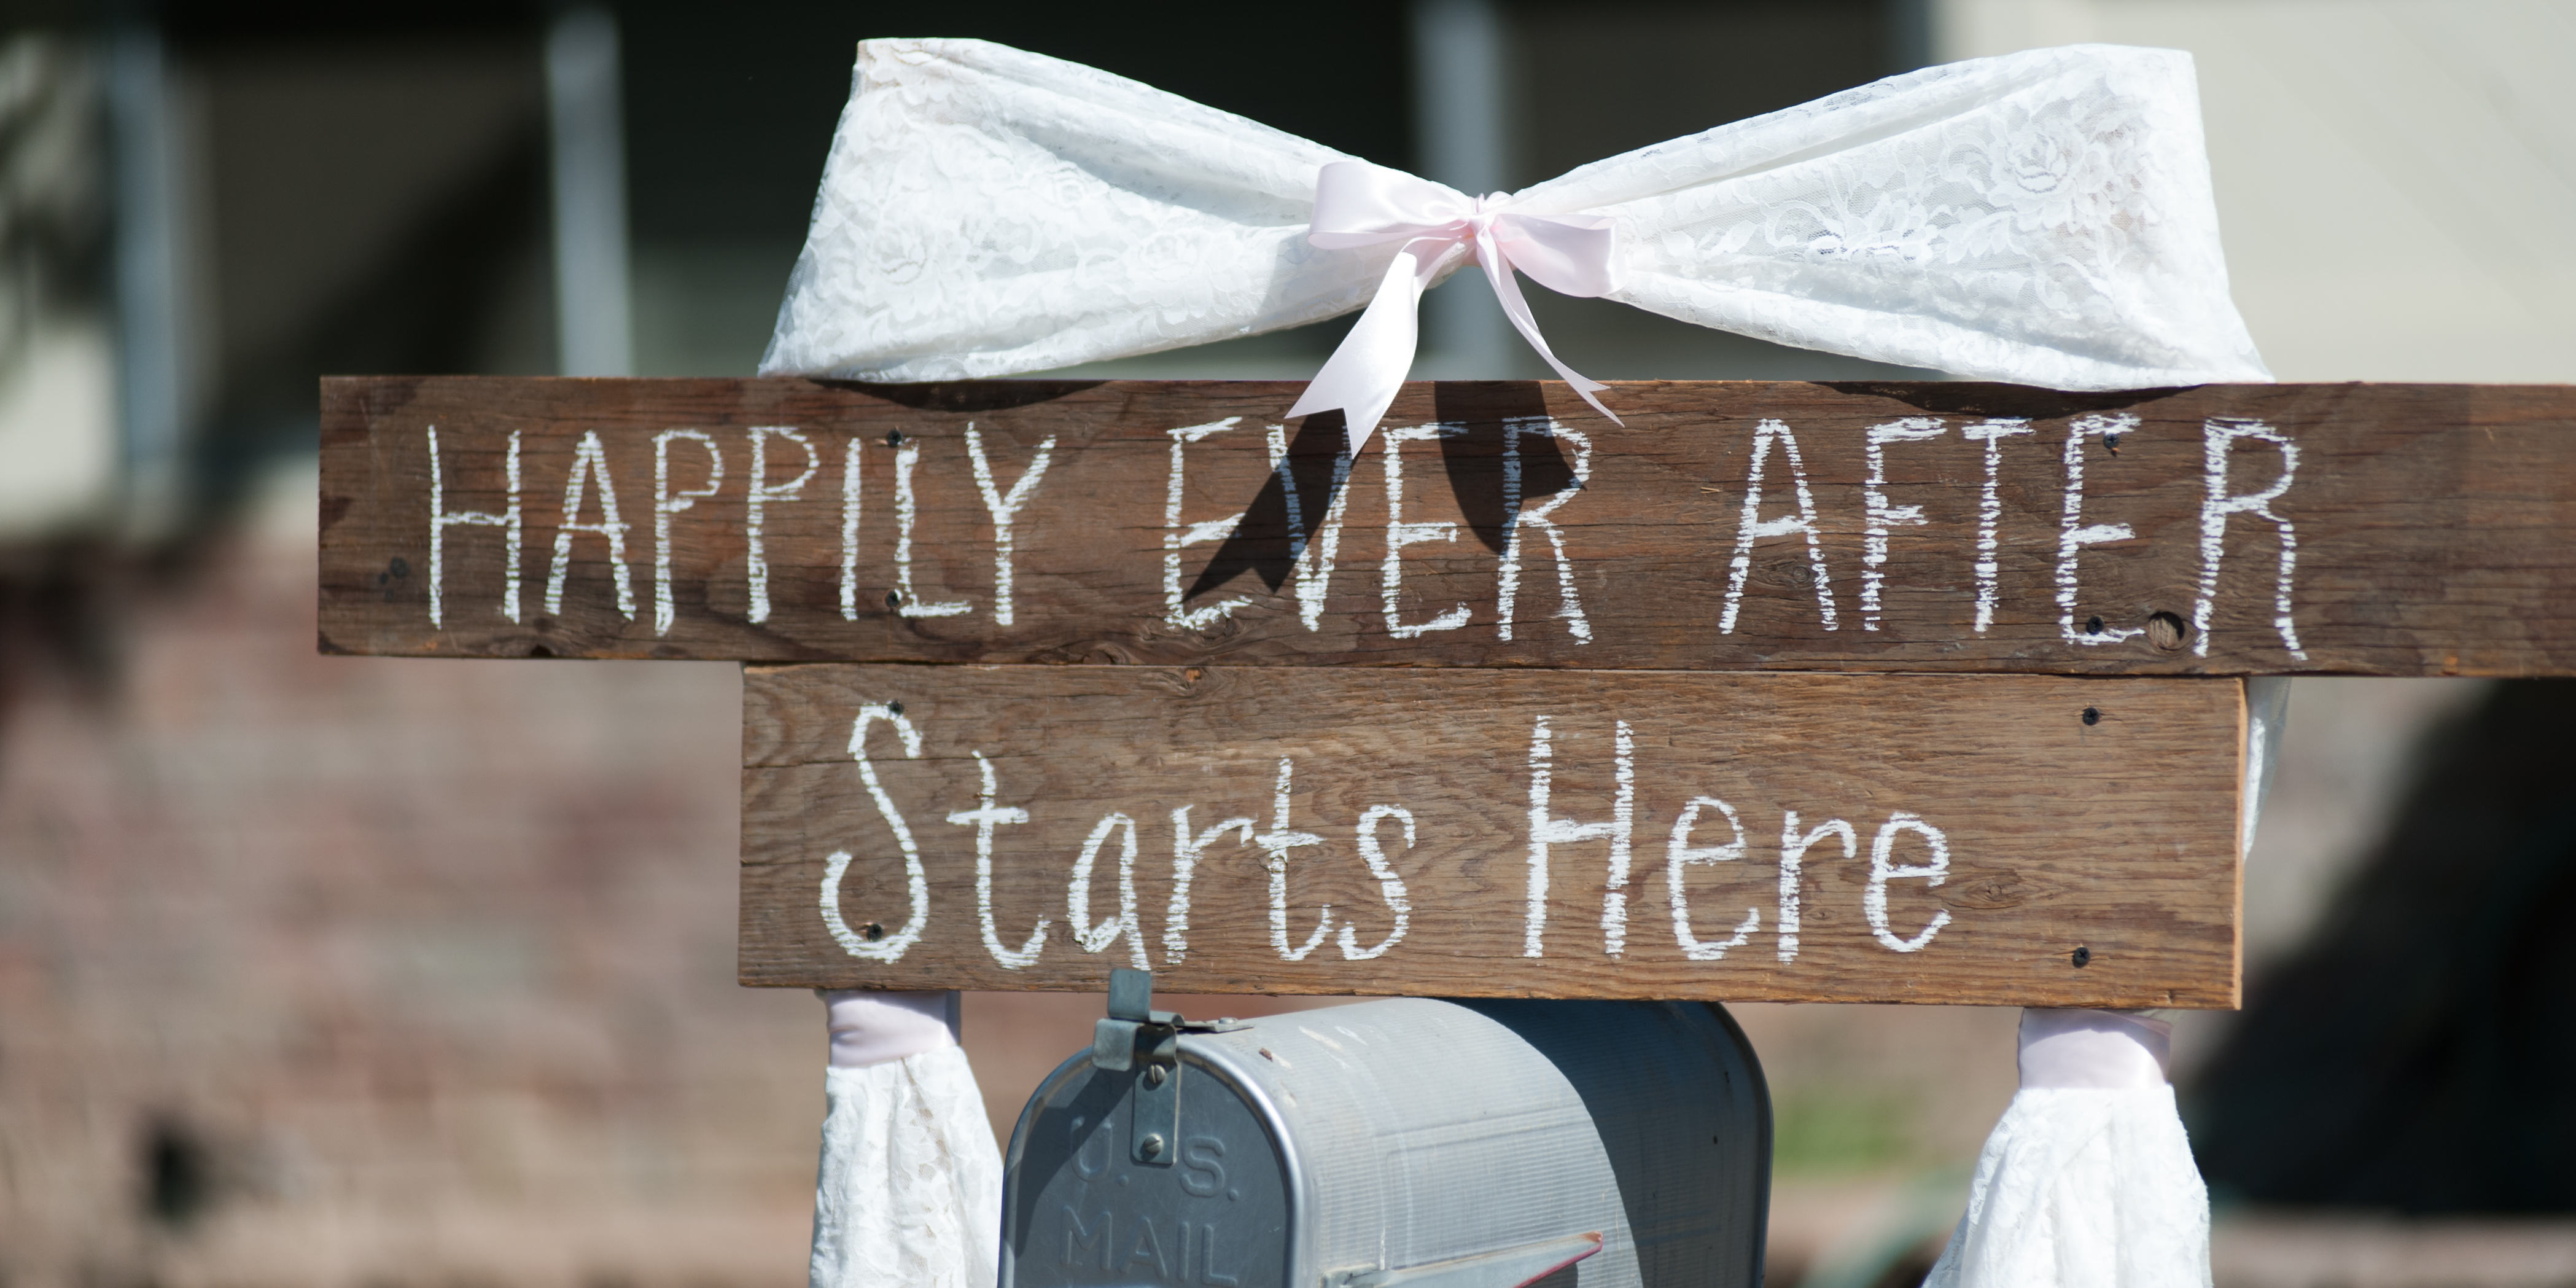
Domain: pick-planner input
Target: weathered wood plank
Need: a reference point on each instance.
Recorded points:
(2086, 814)
(2433, 527)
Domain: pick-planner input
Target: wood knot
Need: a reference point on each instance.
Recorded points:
(1986, 894)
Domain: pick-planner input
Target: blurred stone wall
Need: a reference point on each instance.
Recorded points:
(338, 971)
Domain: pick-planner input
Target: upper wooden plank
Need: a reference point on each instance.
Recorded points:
(2242, 529)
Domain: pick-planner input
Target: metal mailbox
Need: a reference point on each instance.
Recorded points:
(1405, 1143)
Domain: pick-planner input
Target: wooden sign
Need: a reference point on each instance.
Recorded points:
(2392, 530)
(2022, 840)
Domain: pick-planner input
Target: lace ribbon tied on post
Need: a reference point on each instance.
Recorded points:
(908, 1191)
(2088, 1180)
(2042, 218)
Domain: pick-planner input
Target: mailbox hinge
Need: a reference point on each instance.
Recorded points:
(1136, 1039)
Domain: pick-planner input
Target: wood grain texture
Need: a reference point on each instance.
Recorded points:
(2434, 526)
(2116, 835)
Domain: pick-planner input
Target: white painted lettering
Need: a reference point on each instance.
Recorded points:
(1990, 514)
(440, 520)
(1188, 847)
(589, 461)
(1794, 845)
(1311, 559)
(1177, 537)
(667, 503)
(2073, 534)
(756, 520)
(850, 452)
(1679, 855)
(1515, 517)
(1004, 508)
(1879, 516)
(1077, 894)
(2217, 437)
(906, 513)
(1751, 526)
(1547, 830)
(1400, 534)
(879, 946)
(1390, 887)
(984, 818)
(1278, 841)
(1873, 904)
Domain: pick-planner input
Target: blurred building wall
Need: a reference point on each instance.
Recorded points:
(58, 407)
(2396, 178)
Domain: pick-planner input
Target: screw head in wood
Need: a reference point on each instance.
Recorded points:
(2082, 956)
(2092, 715)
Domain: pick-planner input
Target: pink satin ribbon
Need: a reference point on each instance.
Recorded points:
(2105, 1050)
(871, 1028)
(1358, 204)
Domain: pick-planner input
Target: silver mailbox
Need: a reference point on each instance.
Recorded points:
(1410, 1142)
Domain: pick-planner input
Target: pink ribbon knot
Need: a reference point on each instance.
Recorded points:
(1358, 204)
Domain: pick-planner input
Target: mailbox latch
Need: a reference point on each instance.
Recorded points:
(1136, 1039)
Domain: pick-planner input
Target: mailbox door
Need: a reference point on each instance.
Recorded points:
(1078, 1208)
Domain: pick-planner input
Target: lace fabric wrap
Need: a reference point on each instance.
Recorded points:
(909, 1191)
(2042, 218)
(2088, 1180)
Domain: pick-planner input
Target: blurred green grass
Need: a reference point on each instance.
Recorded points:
(1840, 1131)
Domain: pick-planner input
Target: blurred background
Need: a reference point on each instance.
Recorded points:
(381, 973)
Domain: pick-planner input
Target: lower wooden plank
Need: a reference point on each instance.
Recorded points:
(2001, 840)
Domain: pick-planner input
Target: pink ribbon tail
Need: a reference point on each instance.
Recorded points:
(1365, 373)
(1507, 288)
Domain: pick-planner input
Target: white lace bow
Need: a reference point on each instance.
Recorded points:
(2043, 218)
